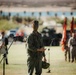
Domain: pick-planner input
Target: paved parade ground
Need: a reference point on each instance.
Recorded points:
(18, 62)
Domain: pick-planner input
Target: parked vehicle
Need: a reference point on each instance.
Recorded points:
(12, 33)
(20, 36)
(50, 37)
(16, 35)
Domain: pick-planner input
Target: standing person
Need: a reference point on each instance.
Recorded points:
(72, 46)
(35, 51)
(67, 49)
(4, 43)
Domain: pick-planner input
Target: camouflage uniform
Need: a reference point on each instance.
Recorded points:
(67, 52)
(34, 60)
(72, 45)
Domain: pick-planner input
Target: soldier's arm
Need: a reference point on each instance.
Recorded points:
(69, 42)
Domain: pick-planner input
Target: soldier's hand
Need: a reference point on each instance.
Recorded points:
(41, 49)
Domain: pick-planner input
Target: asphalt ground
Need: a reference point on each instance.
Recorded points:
(17, 57)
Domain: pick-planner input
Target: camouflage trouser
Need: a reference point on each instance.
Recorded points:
(34, 63)
(73, 55)
(67, 53)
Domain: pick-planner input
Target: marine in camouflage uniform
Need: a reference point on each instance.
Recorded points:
(35, 51)
(72, 46)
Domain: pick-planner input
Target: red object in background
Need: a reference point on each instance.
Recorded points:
(17, 34)
(20, 34)
(72, 26)
(64, 34)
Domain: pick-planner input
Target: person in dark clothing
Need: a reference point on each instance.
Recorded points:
(35, 50)
(67, 49)
(5, 43)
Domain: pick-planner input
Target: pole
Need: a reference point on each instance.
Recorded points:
(8, 49)
(49, 60)
(4, 57)
(10, 44)
(49, 55)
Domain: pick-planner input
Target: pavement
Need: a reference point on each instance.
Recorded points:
(18, 61)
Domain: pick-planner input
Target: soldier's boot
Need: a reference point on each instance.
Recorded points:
(65, 58)
(49, 71)
(69, 60)
(72, 60)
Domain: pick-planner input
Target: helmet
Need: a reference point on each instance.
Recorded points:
(45, 65)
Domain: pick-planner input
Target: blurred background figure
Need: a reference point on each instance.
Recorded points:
(67, 49)
(72, 46)
(4, 44)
